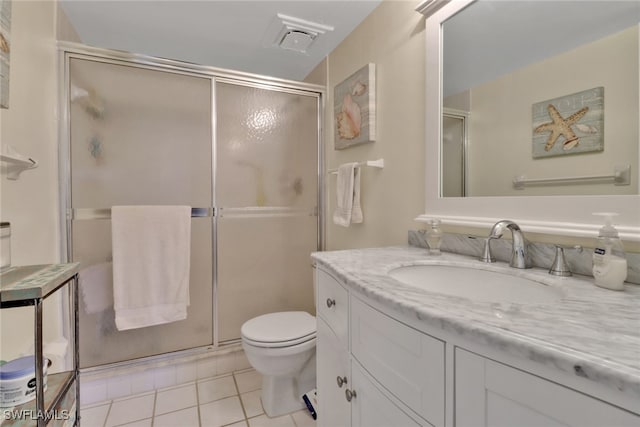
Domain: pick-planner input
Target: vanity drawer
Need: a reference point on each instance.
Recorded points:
(333, 305)
(405, 361)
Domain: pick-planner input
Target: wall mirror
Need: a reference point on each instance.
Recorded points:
(549, 92)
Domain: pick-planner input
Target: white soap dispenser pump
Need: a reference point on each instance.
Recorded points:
(609, 261)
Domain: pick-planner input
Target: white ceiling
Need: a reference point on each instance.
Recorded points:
(237, 35)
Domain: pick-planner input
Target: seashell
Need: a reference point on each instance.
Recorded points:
(359, 88)
(4, 44)
(348, 120)
(570, 143)
(586, 128)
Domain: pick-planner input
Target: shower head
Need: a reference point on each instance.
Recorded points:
(78, 93)
(89, 100)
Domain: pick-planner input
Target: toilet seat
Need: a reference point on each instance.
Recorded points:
(283, 329)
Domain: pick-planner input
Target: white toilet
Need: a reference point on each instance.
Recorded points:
(282, 347)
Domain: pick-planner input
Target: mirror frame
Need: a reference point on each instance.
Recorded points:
(569, 215)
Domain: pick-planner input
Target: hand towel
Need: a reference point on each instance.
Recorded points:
(356, 210)
(348, 210)
(151, 263)
(96, 287)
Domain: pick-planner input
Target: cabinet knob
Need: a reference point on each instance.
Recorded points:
(330, 302)
(341, 381)
(350, 394)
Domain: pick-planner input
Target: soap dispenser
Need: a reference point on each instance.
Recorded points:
(609, 261)
(434, 237)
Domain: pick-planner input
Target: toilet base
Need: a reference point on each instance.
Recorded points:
(282, 394)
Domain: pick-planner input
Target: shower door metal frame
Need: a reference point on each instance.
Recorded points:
(68, 50)
(463, 116)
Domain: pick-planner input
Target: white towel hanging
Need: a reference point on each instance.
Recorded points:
(348, 210)
(151, 264)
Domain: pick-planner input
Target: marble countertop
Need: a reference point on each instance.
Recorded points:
(592, 332)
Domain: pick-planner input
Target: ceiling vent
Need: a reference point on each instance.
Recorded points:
(298, 34)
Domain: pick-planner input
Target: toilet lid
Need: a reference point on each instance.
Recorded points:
(284, 327)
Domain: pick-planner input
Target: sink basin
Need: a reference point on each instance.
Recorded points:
(476, 284)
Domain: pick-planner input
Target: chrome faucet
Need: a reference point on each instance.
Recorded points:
(519, 258)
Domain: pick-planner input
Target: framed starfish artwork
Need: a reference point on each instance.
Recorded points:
(570, 124)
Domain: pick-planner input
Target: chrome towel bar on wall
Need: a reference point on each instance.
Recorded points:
(105, 213)
(372, 163)
(620, 176)
(243, 212)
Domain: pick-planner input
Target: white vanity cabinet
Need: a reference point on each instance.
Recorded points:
(332, 362)
(372, 371)
(377, 367)
(488, 393)
(333, 374)
(368, 407)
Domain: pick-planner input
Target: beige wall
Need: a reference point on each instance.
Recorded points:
(392, 37)
(318, 75)
(500, 120)
(30, 125)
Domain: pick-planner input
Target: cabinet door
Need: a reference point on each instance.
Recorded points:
(332, 362)
(488, 393)
(370, 407)
(333, 305)
(405, 361)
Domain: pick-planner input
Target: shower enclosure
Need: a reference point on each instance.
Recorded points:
(243, 151)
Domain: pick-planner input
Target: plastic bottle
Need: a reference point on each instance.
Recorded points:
(609, 261)
(434, 237)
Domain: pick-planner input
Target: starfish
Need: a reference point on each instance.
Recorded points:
(561, 126)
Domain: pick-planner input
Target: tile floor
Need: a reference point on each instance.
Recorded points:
(230, 400)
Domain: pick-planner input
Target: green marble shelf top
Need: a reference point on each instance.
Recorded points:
(23, 283)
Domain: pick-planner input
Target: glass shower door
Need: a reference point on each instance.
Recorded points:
(266, 200)
(138, 136)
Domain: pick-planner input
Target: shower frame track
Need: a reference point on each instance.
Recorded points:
(69, 50)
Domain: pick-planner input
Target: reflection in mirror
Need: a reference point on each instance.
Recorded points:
(454, 152)
(549, 90)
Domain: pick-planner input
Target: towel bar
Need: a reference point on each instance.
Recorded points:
(620, 176)
(373, 163)
(88, 213)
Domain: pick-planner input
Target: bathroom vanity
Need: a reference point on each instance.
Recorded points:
(394, 354)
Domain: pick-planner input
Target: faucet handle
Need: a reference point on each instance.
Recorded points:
(487, 256)
(560, 267)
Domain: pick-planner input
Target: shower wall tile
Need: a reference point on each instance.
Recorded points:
(142, 382)
(166, 376)
(118, 387)
(122, 382)
(207, 368)
(226, 363)
(186, 372)
(93, 391)
(241, 361)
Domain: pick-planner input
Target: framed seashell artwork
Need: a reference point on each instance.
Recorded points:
(570, 124)
(354, 106)
(5, 43)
